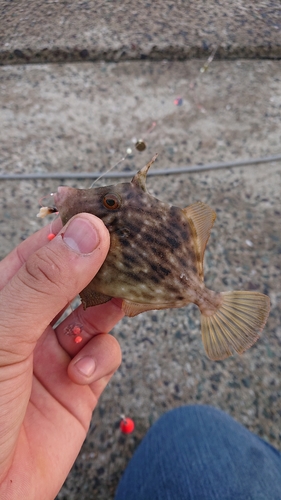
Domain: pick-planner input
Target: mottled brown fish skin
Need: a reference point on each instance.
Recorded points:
(151, 258)
(155, 261)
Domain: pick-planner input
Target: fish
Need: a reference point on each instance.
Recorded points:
(155, 261)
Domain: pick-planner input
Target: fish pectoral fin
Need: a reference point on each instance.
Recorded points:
(91, 298)
(133, 308)
(236, 325)
(202, 218)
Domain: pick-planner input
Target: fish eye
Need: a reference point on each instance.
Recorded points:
(111, 201)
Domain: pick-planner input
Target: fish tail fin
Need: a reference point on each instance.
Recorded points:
(236, 324)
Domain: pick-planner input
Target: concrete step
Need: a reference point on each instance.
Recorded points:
(64, 31)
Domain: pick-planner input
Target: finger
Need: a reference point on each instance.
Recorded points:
(94, 320)
(60, 412)
(49, 280)
(50, 364)
(10, 265)
(97, 360)
(59, 315)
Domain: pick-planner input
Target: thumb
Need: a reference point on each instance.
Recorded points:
(48, 281)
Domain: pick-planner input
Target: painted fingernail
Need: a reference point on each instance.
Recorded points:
(81, 236)
(86, 366)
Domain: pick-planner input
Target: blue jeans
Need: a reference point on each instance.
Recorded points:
(200, 453)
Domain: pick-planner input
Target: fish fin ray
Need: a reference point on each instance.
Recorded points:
(236, 325)
(91, 298)
(202, 217)
(133, 308)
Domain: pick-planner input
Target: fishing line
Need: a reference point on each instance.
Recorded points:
(109, 170)
(140, 145)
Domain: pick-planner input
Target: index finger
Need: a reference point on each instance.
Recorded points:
(10, 265)
(93, 321)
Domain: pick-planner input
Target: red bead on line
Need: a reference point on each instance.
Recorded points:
(51, 236)
(76, 330)
(78, 339)
(127, 425)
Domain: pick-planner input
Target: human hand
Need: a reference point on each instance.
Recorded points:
(46, 398)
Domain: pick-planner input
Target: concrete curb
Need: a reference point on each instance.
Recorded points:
(56, 31)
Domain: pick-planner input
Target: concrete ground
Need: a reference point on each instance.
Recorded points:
(82, 117)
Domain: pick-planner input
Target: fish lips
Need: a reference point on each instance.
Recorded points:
(70, 202)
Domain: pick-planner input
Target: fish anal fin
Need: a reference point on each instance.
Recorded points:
(202, 220)
(91, 298)
(132, 308)
(236, 324)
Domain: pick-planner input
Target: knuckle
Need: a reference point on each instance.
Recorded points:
(20, 255)
(42, 273)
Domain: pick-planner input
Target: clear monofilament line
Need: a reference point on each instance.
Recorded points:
(109, 170)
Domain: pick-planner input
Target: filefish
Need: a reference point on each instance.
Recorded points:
(155, 261)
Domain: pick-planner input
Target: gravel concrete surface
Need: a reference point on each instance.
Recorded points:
(83, 117)
(64, 30)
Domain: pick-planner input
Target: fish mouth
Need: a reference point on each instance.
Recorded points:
(61, 196)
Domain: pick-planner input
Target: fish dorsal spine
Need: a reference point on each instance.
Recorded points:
(139, 179)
